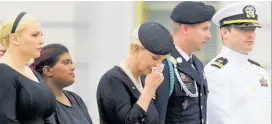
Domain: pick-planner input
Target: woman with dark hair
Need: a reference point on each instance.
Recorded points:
(56, 67)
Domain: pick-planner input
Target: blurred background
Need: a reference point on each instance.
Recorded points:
(98, 34)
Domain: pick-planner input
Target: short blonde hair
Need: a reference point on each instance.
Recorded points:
(175, 27)
(135, 39)
(7, 24)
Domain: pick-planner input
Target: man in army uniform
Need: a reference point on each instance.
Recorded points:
(182, 97)
(239, 87)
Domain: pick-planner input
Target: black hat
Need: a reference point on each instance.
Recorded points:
(155, 38)
(241, 14)
(191, 12)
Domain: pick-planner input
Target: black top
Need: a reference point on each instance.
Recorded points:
(75, 114)
(117, 97)
(23, 100)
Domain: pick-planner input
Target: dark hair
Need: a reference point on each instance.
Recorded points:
(49, 57)
(228, 27)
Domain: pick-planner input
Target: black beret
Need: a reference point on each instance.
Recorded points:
(155, 38)
(191, 12)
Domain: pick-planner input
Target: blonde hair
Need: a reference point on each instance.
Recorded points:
(135, 39)
(175, 27)
(7, 24)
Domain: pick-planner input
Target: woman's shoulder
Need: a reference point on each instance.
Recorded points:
(73, 96)
(112, 80)
(114, 71)
(70, 93)
(6, 72)
(111, 75)
(5, 68)
(8, 78)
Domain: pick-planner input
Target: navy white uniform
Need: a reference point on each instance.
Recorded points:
(239, 88)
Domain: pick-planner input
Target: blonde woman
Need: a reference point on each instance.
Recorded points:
(24, 97)
(121, 97)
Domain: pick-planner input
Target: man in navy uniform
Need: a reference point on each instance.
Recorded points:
(239, 87)
(181, 98)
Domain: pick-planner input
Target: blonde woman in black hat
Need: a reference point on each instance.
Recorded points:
(121, 97)
(240, 90)
(24, 98)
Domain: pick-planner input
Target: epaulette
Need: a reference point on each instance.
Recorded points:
(220, 62)
(255, 63)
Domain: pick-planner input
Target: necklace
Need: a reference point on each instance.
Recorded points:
(125, 68)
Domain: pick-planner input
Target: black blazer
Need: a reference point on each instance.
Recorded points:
(117, 97)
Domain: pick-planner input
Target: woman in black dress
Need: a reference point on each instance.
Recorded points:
(121, 97)
(56, 66)
(24, 98)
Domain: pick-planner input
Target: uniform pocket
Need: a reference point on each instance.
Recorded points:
(241, 91)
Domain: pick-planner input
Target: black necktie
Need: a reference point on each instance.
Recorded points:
(190, 61)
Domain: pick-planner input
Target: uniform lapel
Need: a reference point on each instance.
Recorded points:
(200, 69)
(197, 64)
(185, 67)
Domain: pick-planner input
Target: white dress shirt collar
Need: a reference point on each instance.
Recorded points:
(183, 54)
(234, 55)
